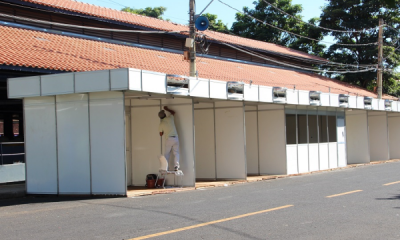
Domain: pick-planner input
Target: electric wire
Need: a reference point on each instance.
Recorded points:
(295, 34)
(291, 65)
(86, 27)
(328, 29)
(315, 61)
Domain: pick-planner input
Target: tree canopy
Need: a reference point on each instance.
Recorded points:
(248, 27)
(216, 25)
(351, 15)
(155, 12)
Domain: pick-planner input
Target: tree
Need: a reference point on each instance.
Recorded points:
(351, 15)
(155, 12)
(216, 25)
(250, 28)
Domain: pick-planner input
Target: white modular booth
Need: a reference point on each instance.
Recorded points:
(97, 132)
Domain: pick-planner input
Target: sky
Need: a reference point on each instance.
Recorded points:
(177, 10)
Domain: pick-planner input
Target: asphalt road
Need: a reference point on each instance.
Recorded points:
(352, 203)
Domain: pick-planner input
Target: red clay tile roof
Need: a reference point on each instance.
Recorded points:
(120, 16)
(20, 47)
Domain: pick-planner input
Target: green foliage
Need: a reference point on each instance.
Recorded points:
(353, 15)
(248, 27)
(216, 25)
(155, 12)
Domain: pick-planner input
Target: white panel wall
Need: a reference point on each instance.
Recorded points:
(352, 102)
(126, 78)
(360, 102)
(333, 155)
(334, 100)
(291, 154)
(374, 104)
(218, 89)
(154, 82)
(323, 156)
(265, 94)
(292, 96)
(199, 87)
(40, 145)
(73, 144)
(341, 132)
(357, 137)
(313, 156)
(94, 81)
(272, 140)
(23, 87)
(107, 140)
(394, 106)
(304, 97)
(394, 135)
(303, 158)
(205, 143)
(230, 141)
(378, 136)
(57, 84)
(146, 140)
(184, 124)
(252, 142)
(251, 92)
(381, 104)
(324, 98)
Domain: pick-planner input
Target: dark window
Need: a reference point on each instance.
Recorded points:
(291, 128)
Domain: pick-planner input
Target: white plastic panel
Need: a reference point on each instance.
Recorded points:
(352, 102)
(381, 104)
(230, 143)
(292, 96)
(135, 79)
(304, 97)
(95, 81)
(334, 100)
(55, 84)
(23, 87)
(154, 82)
(341, 137)
(313, 155)
(323, 156)
(398, 106)
(251, 92)
(333, 158)
(394, 135)
(218, 89)
(291, 154)
(265, 94)
(205, 143)
(40, 145)
(251, 143)
(378, 136)
(73, 144)
(360, 102)
(374, 104)
(184, 124)
(357, 137)
(272, 140)
(199, 87)
(107, 142)
(303, 158)
(324, 98)
(120, 79)
(146, 140)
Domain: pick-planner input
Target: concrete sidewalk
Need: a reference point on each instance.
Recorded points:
(18, 190)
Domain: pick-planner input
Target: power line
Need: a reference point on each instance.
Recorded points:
(298, 35)
(86, 27)
(315, 61)
(328, 29)
(291, 65)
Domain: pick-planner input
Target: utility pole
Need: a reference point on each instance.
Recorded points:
(192, 35)
(380, 53)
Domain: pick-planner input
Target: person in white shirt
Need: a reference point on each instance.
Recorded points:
(167, 128)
